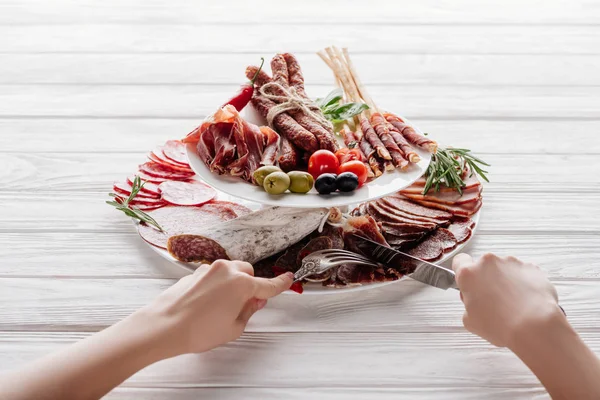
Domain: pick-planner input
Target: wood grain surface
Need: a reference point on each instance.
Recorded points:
(88, 87)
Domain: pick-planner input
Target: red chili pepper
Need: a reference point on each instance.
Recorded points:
(296, 287)
(246, 91)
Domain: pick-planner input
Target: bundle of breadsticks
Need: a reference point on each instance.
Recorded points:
(385, 140)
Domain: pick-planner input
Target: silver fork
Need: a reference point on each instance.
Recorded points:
(323, 260)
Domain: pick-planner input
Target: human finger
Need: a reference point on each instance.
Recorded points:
(251, 306)
(461, 260)
(202, 269)
(267, 288)
(244, 267)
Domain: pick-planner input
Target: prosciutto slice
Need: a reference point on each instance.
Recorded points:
(398, 156)
(410, 134)
(228, 144)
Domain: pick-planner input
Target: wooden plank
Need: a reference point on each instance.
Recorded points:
(333, 12)
(168, 101)
(347, 392)
(390, 360)
(135, 135)
(266, 38)
(410, 69)
(77, 173)
(558, 213)
(407, 306)
(126, 256)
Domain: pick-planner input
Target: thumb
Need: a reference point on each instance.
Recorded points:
(251, 306)
(461, 260)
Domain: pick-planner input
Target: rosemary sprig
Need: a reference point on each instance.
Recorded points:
(447, 167)
(132, 211)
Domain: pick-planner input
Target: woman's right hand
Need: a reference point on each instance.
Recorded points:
(211, 306)
(503, 296)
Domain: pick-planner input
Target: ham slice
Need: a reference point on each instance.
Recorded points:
(382, 215)
(465, 210)
(419, 184)
(401, 229)
(451, 198)
(416, 209)
(401, 213)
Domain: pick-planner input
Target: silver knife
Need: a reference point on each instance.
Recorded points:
(423, 271)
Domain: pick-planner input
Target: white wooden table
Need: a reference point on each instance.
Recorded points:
(87, 87)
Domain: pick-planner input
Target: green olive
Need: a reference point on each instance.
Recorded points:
(276, 182)
(261, 173)
(300, 182)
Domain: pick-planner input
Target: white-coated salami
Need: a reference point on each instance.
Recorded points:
(253, 237)
(186, 193)
(177, 220)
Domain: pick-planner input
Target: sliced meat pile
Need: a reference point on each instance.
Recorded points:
(228, 144)
(331, 237)
(422, 231)
(448, 199)
(168, 180)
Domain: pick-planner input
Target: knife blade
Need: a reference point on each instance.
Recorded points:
(424, 271)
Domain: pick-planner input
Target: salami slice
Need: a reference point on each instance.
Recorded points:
(149, 187)
(177, 220)
(461, 229)
(224, 210)
(124, 189)
(239, 209)
(152, 156)
(157, 170)
(186, 193)
(148, 208)
(174, 150)
(143, 201)
(186, 247)
(151, 179)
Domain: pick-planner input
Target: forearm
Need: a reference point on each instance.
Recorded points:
(91, 368)
(555, 353)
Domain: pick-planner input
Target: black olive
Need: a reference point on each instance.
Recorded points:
(326, 183)
(347, 182)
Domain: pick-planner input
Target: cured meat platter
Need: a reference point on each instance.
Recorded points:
(386, 184)
(315, 288)
(275, 175)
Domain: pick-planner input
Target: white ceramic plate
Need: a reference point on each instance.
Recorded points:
(318, 288)
(388, 183)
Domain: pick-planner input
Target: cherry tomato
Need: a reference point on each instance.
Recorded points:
(356, 167)
(321, 162)
(345, 155)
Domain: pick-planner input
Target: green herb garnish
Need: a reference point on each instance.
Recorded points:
(132, 211)
(336, 112)
(447, 167)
